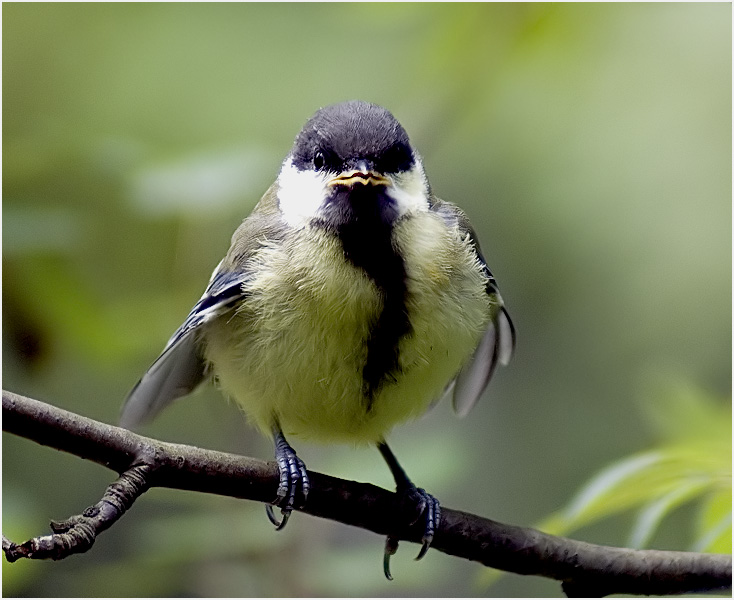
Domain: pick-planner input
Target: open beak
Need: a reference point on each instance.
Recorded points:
(352, 178)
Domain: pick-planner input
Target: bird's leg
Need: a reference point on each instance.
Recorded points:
(294, 483)
(421, 502)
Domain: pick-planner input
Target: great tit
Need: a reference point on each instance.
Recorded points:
(350, 300)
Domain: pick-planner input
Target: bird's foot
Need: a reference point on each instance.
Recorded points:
(294, 483)
(418, 504)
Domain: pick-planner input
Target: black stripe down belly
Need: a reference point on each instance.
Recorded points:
(363, 218)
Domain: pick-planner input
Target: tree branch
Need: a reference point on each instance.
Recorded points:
(585, 569)
(77, 533)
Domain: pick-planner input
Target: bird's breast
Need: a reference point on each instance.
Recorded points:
(339, 340)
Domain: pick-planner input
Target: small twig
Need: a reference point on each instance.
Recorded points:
(78, 533)
(584, 569)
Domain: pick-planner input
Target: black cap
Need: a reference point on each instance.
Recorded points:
(339, 137)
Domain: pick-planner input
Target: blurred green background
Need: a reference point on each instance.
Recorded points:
(589, 144)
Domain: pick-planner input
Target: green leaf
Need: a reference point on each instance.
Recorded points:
(695, 460)
(693, 463)
(613, 489)
(651, 515)
(714, 528)
(658, 480)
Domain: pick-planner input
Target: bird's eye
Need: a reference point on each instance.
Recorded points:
(398, 158)
(319, 161)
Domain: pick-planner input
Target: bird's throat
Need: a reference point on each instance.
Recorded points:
(363, 219)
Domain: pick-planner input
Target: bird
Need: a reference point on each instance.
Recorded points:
(351, 300)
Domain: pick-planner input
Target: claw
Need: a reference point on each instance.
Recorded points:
(391, 547)
(305, 481)
(427, 508)
(433, 518)
(271, 515)
(273, 519)
(293, 482)
(412, 501)
(424, 548)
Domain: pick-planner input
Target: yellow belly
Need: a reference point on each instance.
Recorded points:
(293, 353)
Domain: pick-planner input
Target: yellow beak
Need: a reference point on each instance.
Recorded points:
(352, 178)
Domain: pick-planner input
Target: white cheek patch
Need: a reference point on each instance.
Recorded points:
(300, 194)
(409, 190)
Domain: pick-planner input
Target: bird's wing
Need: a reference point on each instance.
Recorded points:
(496, 345)
(181, 367)
(498, 341)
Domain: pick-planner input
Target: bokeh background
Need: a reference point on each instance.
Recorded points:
(590, 145)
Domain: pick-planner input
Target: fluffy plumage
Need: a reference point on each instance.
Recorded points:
(350, 300)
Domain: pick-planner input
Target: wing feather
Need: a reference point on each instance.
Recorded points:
(181, 366)
(497, 344)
